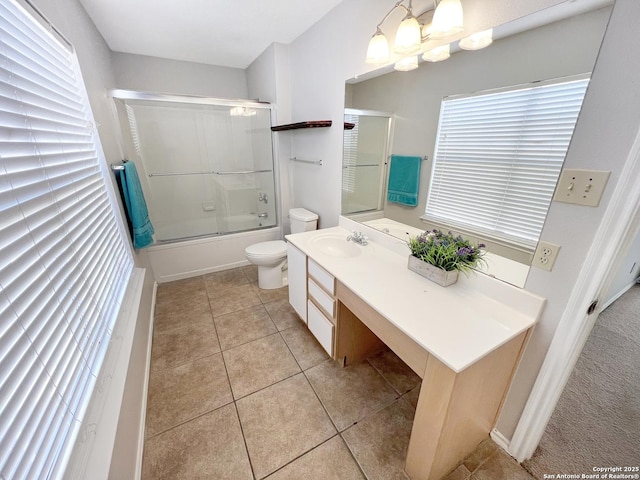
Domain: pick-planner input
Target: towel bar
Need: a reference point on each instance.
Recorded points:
(315, 162)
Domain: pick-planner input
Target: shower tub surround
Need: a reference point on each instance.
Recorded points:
(463, 341)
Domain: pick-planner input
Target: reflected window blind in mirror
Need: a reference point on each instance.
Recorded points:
(64, 260)
(350, 153)
(498, 156)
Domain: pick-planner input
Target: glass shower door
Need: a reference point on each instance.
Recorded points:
(205, 168)
(364, 161)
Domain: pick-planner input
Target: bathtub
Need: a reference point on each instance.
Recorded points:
(190, 258)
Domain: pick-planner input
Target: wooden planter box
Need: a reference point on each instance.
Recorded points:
(435, 274)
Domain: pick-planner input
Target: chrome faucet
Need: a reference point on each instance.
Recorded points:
(358, 237)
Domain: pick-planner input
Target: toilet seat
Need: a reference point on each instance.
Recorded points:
(274, 248)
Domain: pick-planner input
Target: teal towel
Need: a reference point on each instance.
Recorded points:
(136, 206)
(404, 179)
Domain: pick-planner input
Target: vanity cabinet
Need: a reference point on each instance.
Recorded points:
(297, 266)
(312, 296)
(321, 305)
(321, 327)
(462, 342)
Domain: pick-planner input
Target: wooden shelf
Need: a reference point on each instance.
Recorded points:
(296, 126)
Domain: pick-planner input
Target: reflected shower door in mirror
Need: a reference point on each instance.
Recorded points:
(364, 163)
(551, 44)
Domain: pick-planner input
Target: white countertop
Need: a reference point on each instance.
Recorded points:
(458, 324)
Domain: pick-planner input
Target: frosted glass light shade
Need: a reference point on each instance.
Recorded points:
(477, 40)
(437, 54)
(408, 36)
(447, 19)
(378, 50)
(406, 64)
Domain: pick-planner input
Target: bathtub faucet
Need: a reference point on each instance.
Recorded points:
(262, 197)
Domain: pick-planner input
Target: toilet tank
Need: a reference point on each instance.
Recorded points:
(302, 220)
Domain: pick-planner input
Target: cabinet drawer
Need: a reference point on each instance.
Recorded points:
(324, 278)
(320, 327)
(322, 298)
(297, 280)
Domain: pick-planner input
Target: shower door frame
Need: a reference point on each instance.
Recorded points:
(388, 148)
(122, 94)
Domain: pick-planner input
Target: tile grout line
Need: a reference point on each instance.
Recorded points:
(302, 454)
(338, 433)
(248, 341)
(353, 456)
(400, 395)
(188, 421)
(233, 398)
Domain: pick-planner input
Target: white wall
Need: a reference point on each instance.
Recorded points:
(143, 73)
(606, 128)
(333, 51)
(329, 53)
(268, 78)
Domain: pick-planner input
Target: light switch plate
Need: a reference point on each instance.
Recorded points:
(582, 187)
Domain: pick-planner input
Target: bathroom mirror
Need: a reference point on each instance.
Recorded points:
(547, 46)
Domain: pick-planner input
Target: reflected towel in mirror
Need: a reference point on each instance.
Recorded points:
(404, 180)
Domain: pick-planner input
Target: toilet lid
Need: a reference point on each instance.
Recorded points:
(275, 247)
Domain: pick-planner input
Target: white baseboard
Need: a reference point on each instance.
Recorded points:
(201, 271)
(618, 295)
(500, 440)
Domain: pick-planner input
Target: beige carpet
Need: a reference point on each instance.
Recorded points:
(597, 421)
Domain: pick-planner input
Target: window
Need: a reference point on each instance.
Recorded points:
(64, 261)
(498, 156)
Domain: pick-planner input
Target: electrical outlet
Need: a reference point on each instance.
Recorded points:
(545, 255)
(582, 187)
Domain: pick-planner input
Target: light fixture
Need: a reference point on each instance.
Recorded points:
(378, 51)
(407, 40)
(447, 19)
(242, 112)
(477, 40)
(407, 64)
(420, 33)
(437, 54)
(408, 35)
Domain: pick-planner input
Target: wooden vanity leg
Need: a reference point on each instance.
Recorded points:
(456, 411)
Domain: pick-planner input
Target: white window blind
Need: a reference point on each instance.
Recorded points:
(498, 156)
(350, 153)
(64, 262)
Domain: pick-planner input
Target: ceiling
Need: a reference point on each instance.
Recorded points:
(234, 33)
(216, 32)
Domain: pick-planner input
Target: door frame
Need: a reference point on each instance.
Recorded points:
(617, 230)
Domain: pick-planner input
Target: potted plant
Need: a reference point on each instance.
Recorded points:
(439, 256)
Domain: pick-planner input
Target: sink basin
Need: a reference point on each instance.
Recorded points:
(336, 245)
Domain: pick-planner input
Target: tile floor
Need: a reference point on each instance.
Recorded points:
(239, 389)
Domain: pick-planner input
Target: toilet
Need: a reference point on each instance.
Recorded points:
(270, 257)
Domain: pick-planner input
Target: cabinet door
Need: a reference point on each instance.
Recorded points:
(321, 328)
(297, 274)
